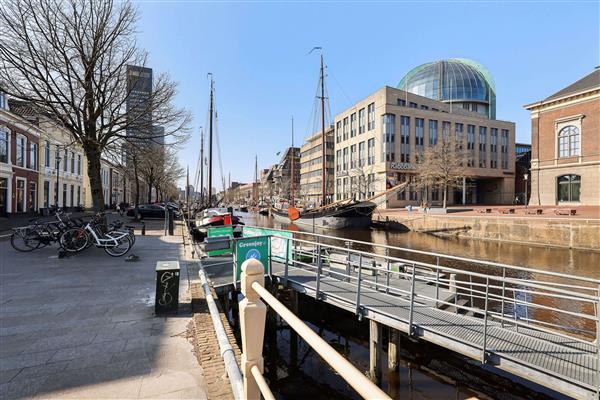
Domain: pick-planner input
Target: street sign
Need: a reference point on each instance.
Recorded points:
(220, 231)
(278, 245)
(252, 247)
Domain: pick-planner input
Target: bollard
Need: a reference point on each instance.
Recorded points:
(253, 313)
(143, 228)
(170, 216)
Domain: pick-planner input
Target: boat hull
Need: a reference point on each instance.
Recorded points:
(353, 216)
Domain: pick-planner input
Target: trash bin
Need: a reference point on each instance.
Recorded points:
(167, 287)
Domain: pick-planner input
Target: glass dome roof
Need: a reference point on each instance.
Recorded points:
(452, 80)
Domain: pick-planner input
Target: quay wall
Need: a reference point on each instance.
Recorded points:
(581, 234)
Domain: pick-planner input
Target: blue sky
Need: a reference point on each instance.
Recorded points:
(257, 52)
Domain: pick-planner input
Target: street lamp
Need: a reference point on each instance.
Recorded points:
(526, 177)
(57, 173)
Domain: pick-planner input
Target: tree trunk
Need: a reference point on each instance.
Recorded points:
(445, 194)
(149, 192)
(93, 152)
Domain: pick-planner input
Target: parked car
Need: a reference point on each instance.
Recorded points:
(147, 211)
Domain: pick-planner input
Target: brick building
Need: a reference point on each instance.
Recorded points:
(565, 136)
(19, 162)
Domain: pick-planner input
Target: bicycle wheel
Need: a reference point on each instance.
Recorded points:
(24, 241)
(121, 248)
(74, 240)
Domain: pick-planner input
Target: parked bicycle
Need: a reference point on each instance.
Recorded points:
(42, 233)
(116, 241)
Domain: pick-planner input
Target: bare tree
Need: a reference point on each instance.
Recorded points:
(70, 58)
(442, 164)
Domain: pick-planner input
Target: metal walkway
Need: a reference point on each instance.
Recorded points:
(538, 325)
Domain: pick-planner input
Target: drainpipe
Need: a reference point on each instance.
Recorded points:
(231, 366)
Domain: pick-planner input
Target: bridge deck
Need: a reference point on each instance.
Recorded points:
(550, 360)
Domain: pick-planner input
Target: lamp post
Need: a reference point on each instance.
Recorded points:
(526, 177)
(57, 173)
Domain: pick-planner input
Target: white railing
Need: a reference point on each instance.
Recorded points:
(253, 314)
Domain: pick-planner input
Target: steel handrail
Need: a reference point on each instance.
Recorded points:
(481, 262)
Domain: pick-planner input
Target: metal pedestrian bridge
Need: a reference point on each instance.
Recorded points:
(538, 325)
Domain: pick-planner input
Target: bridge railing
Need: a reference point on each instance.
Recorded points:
(558, 308)
(252, 320)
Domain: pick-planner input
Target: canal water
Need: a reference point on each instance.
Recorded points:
(426, 372)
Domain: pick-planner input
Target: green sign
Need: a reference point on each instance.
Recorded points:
(252, 247)
(220, 231)
(279, 244)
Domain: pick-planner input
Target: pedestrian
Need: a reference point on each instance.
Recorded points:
(409, 209)
(121, 209)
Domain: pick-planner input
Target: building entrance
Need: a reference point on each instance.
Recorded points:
(3, 197)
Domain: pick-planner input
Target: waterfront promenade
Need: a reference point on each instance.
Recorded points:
(84, 326)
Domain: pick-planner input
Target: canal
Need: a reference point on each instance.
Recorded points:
(425, 371)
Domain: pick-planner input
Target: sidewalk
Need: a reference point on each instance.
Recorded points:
(84, 327)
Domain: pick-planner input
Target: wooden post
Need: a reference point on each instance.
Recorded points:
(253, 313)
(375, 339)
(393, 349)
(293, 335)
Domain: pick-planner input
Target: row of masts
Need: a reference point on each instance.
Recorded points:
(211, 112)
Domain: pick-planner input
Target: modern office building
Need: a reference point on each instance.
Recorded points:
(377, 141)
(455, 81)
(311, 168)
(284, 178)
(565, 137)
(139, 92)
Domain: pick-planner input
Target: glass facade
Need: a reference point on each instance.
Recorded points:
(404, 139)
(433, 132)
(453, 80)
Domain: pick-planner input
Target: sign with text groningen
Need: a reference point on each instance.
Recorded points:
(220, 231)
(278, 245)
(252, 247)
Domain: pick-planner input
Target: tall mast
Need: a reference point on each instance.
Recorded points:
(323, 131)
(255, 194)
(292, 170)
(202, 166)
(210, 139)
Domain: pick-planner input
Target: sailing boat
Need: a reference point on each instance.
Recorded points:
(343, 214)
(211, 216)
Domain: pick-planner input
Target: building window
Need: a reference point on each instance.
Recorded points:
(433, 132)
(46, 194)
(471, 145)
(32, 196)
(569, 188)
(64, 202)
(20, 198)
(371, 116)
(412, 105)
(494, 147)
(338, 132)
(482, 147)
(371, 152)
(338, 158)
(345, 159)
(568, 141)
(361, 121)
(352, 124)
(370, 185)
(445, 129)
(79, 164)
(33, 155)
(361, 154)
(345, 131)
(404, 139)
(47, 153)
(353, 156)
(3, 147)
(72, 162)
(419, 134)
(72, 194)
(504, 148)
(20, 151)
(388, 122)
(78, 195)
(401, 102)
(66, 161)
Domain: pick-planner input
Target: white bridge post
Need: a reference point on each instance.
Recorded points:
(253, 313)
